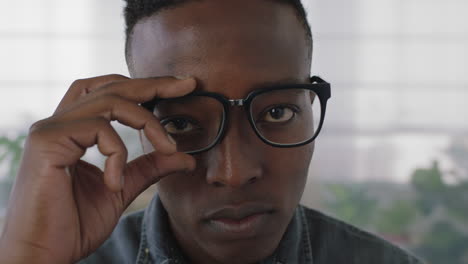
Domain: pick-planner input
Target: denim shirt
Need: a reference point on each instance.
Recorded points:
(311, 238)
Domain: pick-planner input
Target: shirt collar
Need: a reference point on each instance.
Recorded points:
(157, 236)
(295, 246)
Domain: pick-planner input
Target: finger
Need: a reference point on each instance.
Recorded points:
(142, 90)
(67, 142)
(113, 107)
(111, 145)
(81, 88)
(150, 168)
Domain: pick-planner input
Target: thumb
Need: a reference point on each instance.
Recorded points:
(148, 169)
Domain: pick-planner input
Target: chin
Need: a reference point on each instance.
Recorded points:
(245, 251)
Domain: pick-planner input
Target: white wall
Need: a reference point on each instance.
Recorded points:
(399, 71)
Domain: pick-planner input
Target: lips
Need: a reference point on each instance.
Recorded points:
(237, 222)
(238, 212)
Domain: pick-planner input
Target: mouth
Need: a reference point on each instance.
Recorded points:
(240, 221)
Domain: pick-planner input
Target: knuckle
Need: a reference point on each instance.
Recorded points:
(35, 126)
(34, 135)
(38, 131)
(115, 76)
(79, 83)
(38, 125)
(80, 86)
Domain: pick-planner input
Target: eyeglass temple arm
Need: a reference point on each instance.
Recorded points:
(317, 79)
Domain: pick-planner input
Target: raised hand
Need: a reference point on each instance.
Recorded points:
(63, 208)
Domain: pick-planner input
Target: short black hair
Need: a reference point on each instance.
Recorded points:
(136, 10)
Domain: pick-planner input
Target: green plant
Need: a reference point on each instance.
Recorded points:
(10, 152)
(397, 218)
(351, 203)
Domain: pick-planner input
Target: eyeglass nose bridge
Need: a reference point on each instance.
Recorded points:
(236, 102)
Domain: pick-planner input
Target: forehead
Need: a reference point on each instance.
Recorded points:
(222, 42)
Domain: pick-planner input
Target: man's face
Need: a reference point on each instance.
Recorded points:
(230, 47)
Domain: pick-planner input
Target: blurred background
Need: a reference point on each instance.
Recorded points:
(393, 155)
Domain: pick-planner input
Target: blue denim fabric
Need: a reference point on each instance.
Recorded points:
(311, 238)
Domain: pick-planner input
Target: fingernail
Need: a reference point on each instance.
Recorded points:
(182, 77)
(171, 139)
(67, 171)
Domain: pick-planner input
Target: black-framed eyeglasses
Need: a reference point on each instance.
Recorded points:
(286, 115)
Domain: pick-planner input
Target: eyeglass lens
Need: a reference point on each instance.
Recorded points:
(283, 117)
(286, 117)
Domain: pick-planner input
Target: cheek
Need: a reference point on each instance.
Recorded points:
(289, 161)
(284, 177)
(289, 169)
(178, 192)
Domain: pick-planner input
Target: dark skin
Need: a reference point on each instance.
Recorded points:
(62, 208)
(231, 53)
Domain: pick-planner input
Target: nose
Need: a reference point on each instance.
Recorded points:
(235, 161)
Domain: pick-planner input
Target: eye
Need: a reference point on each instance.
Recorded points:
(178, 125)
(279, 114)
